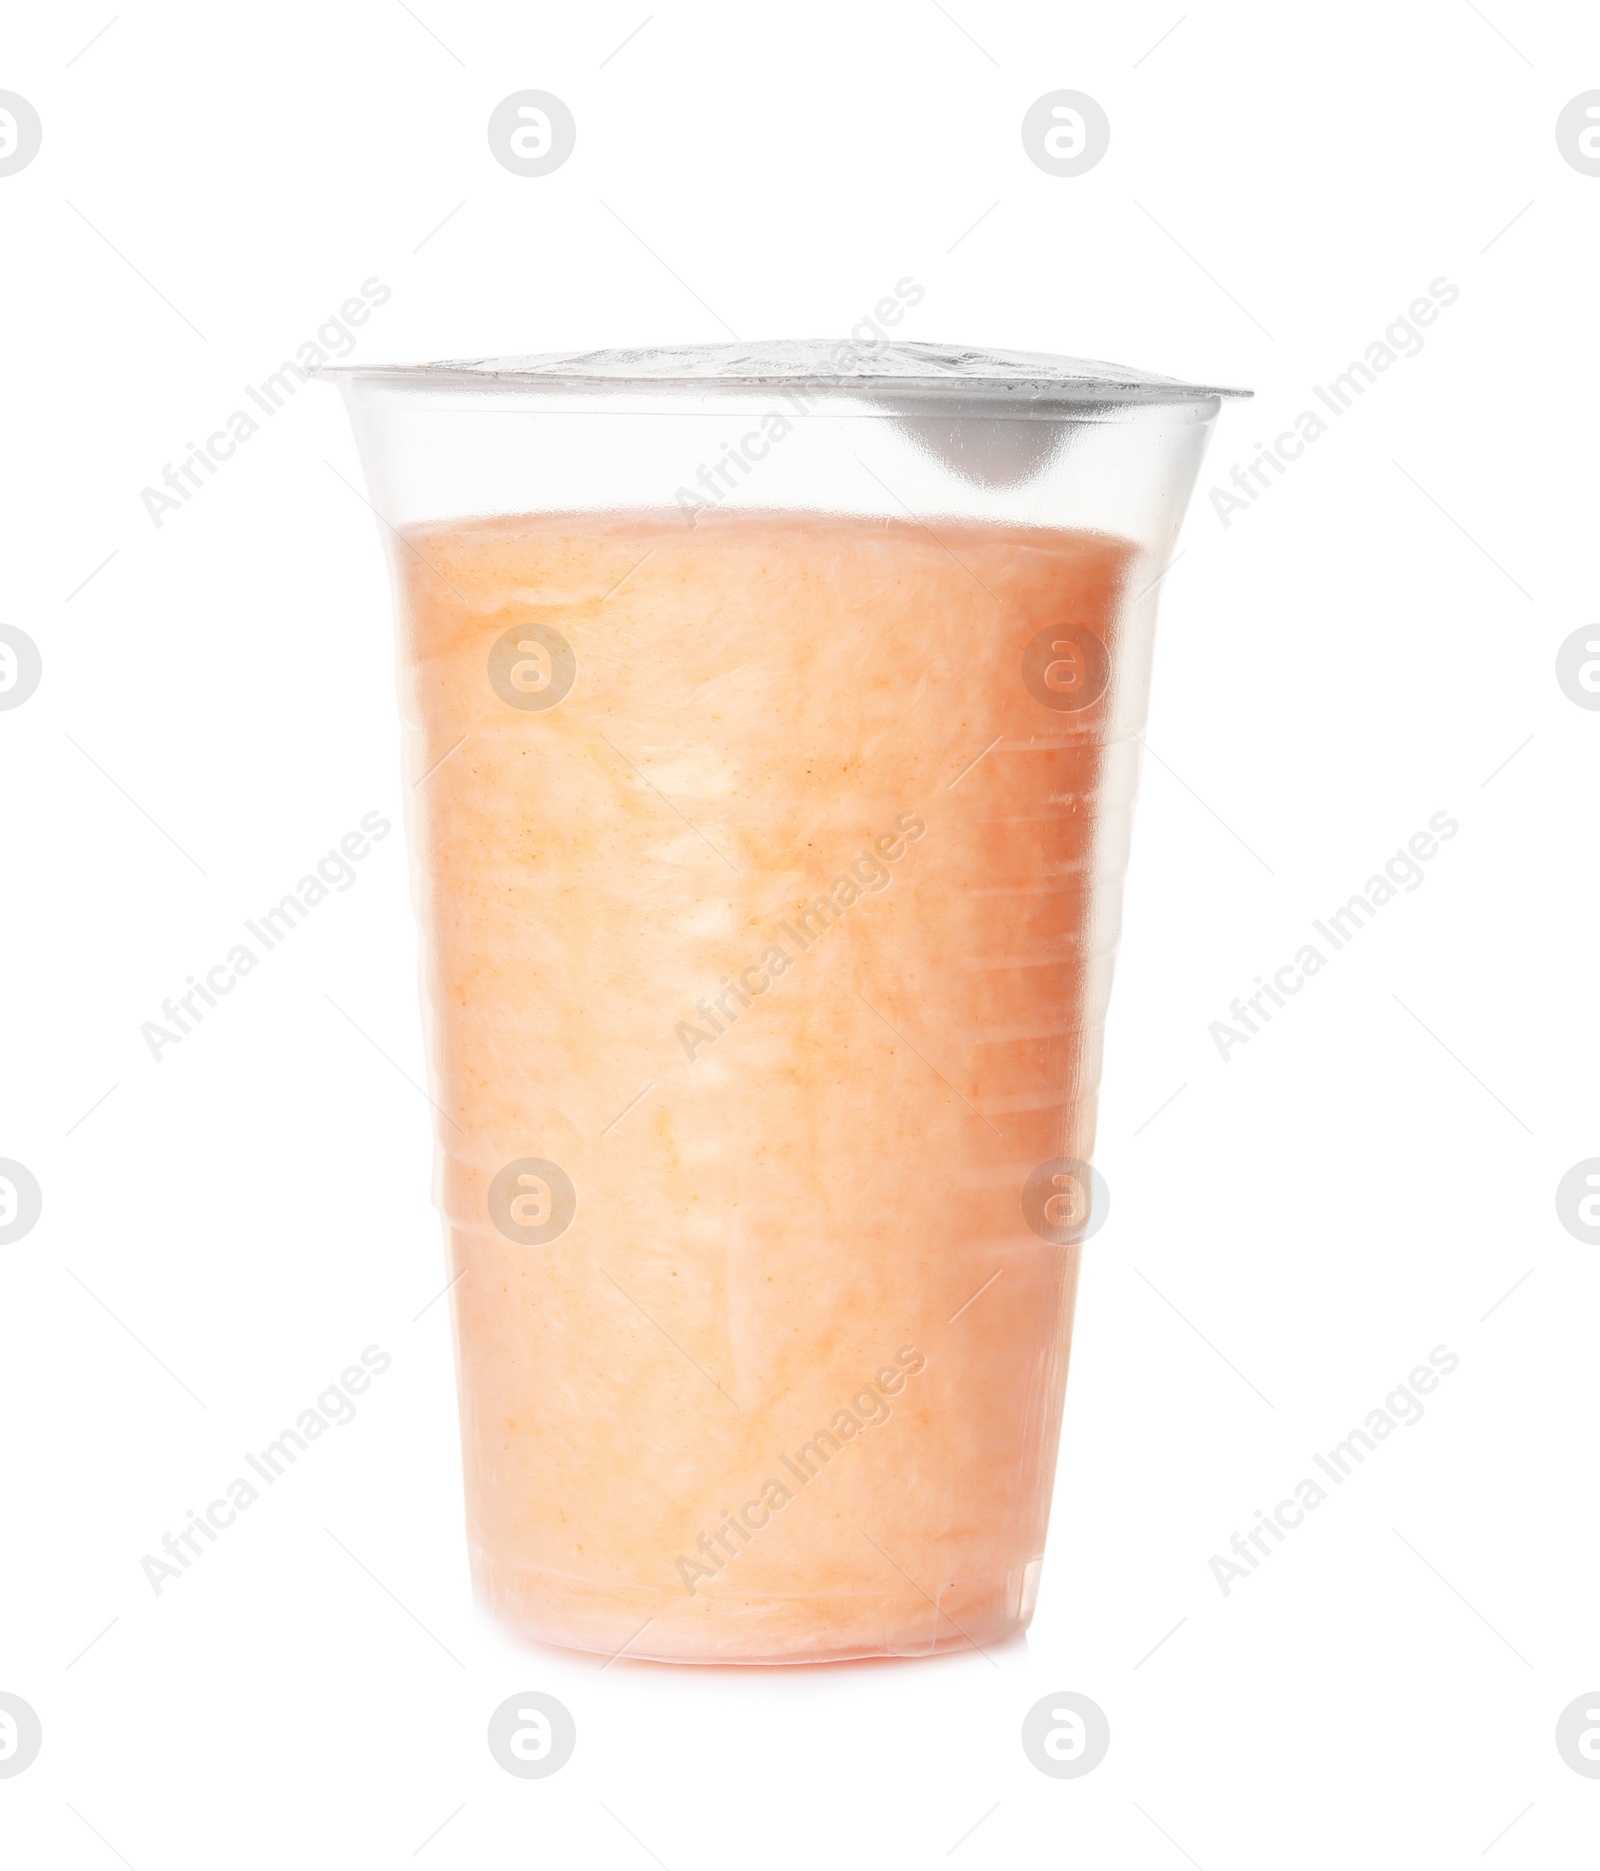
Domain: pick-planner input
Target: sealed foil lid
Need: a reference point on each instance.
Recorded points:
(821, 366)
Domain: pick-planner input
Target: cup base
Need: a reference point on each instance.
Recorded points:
(725, 1627)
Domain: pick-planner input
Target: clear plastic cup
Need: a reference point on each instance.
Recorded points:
(770, 723)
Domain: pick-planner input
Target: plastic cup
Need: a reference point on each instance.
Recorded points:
(770, 724)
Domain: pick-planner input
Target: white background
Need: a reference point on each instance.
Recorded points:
(1371, 643)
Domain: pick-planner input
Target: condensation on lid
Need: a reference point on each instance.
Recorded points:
(822, 364)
